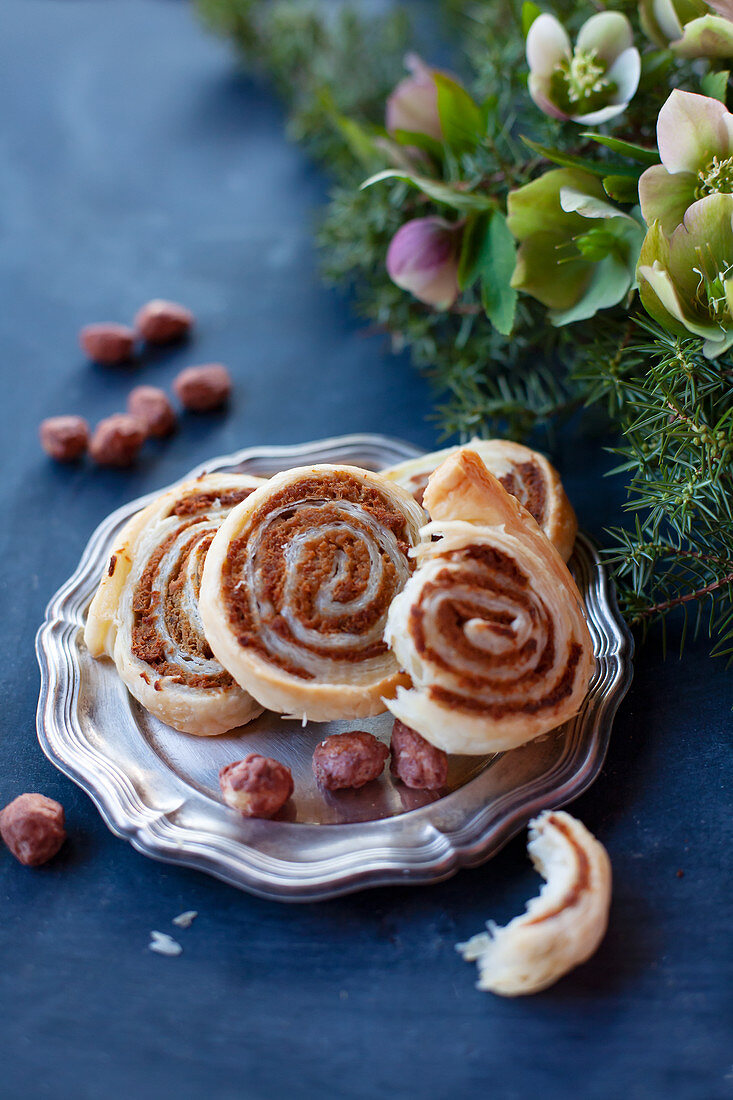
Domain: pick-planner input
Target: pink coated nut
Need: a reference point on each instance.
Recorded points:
(257, 786)
(32, 826)
(415, 761)
(348, 759)
(64, 438)
(201, 389)
(151, 407)
(161, 322)
(107, 342)
(117, 440)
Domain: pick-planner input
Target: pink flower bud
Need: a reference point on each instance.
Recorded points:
(423, 258)
(413, 104)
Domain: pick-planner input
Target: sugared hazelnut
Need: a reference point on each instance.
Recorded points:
(32, 826)
(117, 440)
(108, 342)
(203, 388)
(257, 786)
(415, 761)
(151, 407)
(161, 322)
(348, 759)
(64, 438)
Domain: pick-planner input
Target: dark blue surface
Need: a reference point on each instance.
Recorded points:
(135, 162)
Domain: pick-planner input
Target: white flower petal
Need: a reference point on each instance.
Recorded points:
(661, 283)
(539, 90)
(722, 7)
(665, 197)
(595, 118)
(608, 32)
(708, 36)
(690, 129)
(667, 20)
(574, 201)
(547, 44)
(711, 349)
(625, 73)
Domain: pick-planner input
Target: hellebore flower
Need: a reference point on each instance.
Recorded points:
(590, 84)
(688, 27)
(686, 280)
(423, 258)
(413, 105)
(695, 140)
(578, 252)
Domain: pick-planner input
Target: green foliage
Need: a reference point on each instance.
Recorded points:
(675, 411)
(500, 367)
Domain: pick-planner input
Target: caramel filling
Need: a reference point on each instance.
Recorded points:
(480, 621)
(310, 581)
(582, 879)
(170, 604)
(204, 501)
(528, 486)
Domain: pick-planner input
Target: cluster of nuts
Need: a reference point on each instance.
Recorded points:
(117, 440)
(259, 786)
(32, 827)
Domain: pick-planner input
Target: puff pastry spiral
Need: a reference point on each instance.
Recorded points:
(297, 585)
(145, 614)
(491, 626)
(524, 473)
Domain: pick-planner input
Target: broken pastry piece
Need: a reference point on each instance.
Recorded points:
(560, 928)
(524, 473)
(491, 627)
(297, 586)
(145, 613)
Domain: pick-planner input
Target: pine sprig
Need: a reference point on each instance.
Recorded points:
(676, 415)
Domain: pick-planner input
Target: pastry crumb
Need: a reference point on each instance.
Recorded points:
(185, 920)
(164, 944)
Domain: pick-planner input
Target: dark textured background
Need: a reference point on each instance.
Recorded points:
(136, 162)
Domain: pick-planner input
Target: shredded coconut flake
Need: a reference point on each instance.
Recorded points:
(185, 920)
(164, 944)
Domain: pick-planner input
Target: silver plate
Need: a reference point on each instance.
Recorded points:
(159, 790)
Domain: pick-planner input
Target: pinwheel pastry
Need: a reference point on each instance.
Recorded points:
(524, 473)
(297, 585)
(563, 926)
(145, 613)
(491, 626)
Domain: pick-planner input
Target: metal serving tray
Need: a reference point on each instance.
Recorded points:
(159, 788)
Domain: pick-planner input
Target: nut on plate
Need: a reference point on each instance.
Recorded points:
(117, 440)
(415, 761)
(162, 322)
(348, 759)
(562, 926)
(107, 342)
(64, 438)
(257, 786)
(32, 827)
(204, 388)
(150, 405)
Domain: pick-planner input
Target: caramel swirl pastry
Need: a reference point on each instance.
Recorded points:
(491, 626)
(145, 614)
(524, 473)
(297, 586)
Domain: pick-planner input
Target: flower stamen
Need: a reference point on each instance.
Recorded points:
(583, 75)
(710, 294)
(715, 177)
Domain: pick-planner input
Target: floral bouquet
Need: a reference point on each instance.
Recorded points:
(553, 233)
